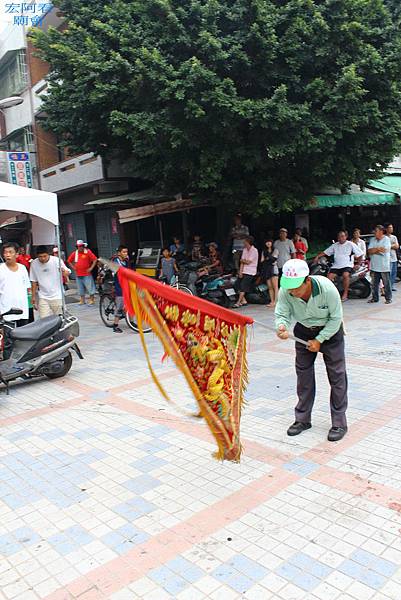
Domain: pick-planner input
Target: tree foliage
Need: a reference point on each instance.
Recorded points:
(258, 102)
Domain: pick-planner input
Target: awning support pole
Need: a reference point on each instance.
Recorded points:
(60, 270)
(161, 232)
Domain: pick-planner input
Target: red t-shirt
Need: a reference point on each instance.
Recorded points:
(84, 261)
(24, 259)
(300, 250)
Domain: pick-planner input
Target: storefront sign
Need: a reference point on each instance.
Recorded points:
(161, 208)
(19, 168)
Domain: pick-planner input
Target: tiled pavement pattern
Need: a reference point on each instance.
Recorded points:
(107, 492)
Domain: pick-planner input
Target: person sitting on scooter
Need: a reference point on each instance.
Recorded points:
(215, 266)
(344, 253)
(248, 269)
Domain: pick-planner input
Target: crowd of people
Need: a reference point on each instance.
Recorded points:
(34, 283)
(248, 262)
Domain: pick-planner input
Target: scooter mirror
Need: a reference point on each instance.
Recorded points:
(13, 311)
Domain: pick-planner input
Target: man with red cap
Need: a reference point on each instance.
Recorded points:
(315, 304)
(83, 261)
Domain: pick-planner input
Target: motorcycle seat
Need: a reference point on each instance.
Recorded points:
(37, 330)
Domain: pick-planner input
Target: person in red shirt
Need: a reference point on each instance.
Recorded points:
(23, 258)
(83, 261)
(300, 247)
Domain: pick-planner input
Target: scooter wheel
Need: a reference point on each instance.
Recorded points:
(66, 367)
(360, 290)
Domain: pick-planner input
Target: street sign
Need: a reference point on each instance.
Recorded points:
(19, 169)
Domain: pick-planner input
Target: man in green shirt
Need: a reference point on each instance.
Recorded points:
(315, 304)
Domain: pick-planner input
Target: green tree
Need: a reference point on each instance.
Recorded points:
(246, 101)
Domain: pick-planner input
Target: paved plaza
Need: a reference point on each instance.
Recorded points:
(106, 491)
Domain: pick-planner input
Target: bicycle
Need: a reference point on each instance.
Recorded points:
(107, 301)
(175, 283)
(107, 309)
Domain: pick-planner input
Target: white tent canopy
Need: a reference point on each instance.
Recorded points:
(41, 206)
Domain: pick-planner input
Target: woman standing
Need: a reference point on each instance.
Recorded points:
(269, 271)
(300, 247)
(356, 238)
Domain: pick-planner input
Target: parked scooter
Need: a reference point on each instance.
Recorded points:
(360, 286)
(259, 293)
(218, 289)
(40, 348)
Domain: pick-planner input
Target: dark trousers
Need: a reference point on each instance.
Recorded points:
(334, 358)
(393, 272)
(385, 277)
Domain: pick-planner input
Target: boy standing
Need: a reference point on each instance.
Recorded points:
(122, 260)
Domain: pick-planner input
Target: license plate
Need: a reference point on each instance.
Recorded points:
(230, 292)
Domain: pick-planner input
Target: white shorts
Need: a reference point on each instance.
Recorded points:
(48, 308)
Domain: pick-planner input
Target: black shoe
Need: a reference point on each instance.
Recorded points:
(117, 329)
(388, 302)
(337, 433)
(298, 427)
(371, 301)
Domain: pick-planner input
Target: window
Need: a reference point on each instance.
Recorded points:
(21, 141)
(14, 76)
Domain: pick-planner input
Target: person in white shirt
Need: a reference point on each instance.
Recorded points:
(393, 255)
(346, 255)
(45, 277)
(14, 286)
(356, 238)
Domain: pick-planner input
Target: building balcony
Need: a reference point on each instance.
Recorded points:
(75, 172)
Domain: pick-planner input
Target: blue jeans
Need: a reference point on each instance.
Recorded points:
(393, 272)
(86, 284)
(385, 277)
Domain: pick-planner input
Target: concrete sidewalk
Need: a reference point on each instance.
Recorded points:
(107, 492)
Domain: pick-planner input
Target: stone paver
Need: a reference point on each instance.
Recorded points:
(106, 491)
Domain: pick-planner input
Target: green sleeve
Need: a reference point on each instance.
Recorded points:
(335, 316)
(283, 312)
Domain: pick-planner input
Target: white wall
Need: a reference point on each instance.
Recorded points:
(11, 38)
(18, 116)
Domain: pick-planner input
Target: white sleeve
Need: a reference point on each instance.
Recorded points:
(32, 273)
(356, 249)
(330, 250)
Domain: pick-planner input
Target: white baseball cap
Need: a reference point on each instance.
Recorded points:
(294, 273)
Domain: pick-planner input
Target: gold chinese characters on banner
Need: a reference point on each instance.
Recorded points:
(207, 344)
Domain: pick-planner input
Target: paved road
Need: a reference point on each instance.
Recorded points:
(107, 492)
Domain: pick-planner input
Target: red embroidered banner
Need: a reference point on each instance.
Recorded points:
(208, 345)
